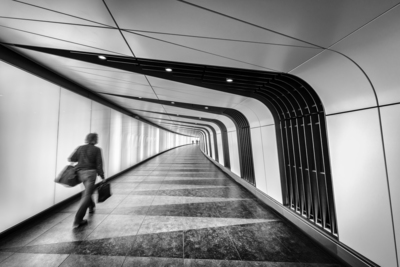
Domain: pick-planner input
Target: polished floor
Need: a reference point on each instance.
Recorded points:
(177, 209)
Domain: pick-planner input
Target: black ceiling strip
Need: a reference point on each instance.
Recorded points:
(15, 59)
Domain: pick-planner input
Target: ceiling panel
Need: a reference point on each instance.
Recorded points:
(17, 10)
(179, 18)
(270, 57)
(376, 49)
(145, 47)
(70, 37)
(318, 22)
(83, 11)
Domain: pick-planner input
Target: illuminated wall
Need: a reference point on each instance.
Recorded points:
(41, 124)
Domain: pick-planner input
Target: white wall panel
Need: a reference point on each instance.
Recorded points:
(338, 82)
(74, 125)
(100, 124)
(391, 132)
(271, 162)
(220, 149)
(212, 144)
(251, 117)
(258, 159)
(256, 112)
(234, 152)
(114, 158)
(28, 144)
(126, 142)
(360, 185)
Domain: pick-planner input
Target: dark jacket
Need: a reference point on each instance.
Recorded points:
(88, 158)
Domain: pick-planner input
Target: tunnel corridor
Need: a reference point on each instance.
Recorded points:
(177, 209)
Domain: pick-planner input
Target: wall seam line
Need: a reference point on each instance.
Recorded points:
(265, 169)
(58, 133)
(388, 185)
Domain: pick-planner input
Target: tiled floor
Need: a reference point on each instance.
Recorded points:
(177, 209)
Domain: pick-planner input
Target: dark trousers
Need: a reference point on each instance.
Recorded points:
(88, 178)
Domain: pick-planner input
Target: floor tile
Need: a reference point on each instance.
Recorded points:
(160, 224)
(209, 243)
(135, 201)
(260, 242)
(215, 263)
(138, 210)
(152, 262)
(116, 246)
(63, 231)
(166, 210)
(117, 226)
(33, 260)
(5, 255)
(129, 179)
(93, 261)
(29, 233)
(55, 248)
(169, 245)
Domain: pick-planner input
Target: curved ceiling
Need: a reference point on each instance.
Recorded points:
(346, 51)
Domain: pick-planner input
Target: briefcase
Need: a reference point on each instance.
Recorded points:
(68, 177)
(104, 191)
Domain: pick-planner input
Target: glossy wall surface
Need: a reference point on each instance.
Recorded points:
(42, 124)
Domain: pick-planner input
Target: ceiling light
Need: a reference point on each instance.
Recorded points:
(168, 69)
(229, 80)
(102, 57)
(206, 107)
(172, 102)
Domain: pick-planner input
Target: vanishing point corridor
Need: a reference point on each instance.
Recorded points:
(177, 209)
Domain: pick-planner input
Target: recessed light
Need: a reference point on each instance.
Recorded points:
(172, 102)
(229, 80)
(168, 69)
(206, 107)
(102, 57)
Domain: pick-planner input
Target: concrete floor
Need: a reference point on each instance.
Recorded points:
(177, 209)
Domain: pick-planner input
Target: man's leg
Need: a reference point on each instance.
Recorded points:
(88, 178)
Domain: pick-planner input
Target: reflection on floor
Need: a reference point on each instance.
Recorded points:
(177, 209)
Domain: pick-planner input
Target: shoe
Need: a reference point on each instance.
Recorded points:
(82, 223)
(91, 210)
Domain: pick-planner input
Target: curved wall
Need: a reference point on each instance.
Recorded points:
(40, 126)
